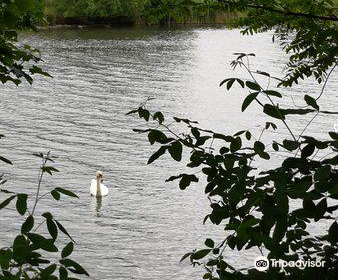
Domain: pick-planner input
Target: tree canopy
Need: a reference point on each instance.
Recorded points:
(265, 208)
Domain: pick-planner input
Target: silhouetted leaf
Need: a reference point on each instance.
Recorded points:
(66, 192)
(63, 273)
(333, 135)
(209, 243)
(185, 256)
(159, 116)
(42, 242)
(21, 203)
(60, 226)
(67, 250)
(248, 100)
(273, 93)
(73, 266)
(290, 145)
(27, 225)
(52, 228)
(5, 160)
(47, 215)
(49, 270)
(55, 194)
(49, 169)
(200, 254)
(252, 85)
(311, 102)
(7, 201)
(186, 181)
(308, 150)
(157, 154)
(156, 136)
(272, 111)
(175, 150)
(230, 83)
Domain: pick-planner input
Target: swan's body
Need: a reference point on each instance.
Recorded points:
(102, 190)
(97, 188)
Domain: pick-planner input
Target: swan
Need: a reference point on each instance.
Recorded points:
(97, 188)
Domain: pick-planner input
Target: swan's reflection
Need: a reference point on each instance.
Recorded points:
(97, 206)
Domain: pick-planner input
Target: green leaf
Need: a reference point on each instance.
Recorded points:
(241, 83)
(60, 226)
(63, 273)
(20, 247)
(157, 154)
(43, 243)
(185, 256)
(209, 243)
(268, 124)
(333, 233)
(66, 192)
(55, 194)
(273, 112)
(236, 144)
(67, 250)
(175, 150)
(47, 215)
(253, 86)
(49, 270)
(273, 93)
(49, 169)
(263, 73)
(308, 150)
(275, 146)
(52, 228)
(27, 225)
(225, 81)
(280, 230)
(333, 135)
(7, 201)
(6, 256)
(290, 145)
(320, 209)
(159, 116)
(230, 83)
(156, 136)
(311, 102)
(259, 147)
(200, 254)
(143, 113)
(322, 173)
(186, 181)
(21, 204)
(132, 112)
(73, 266)
(248, 100)
(5, 160)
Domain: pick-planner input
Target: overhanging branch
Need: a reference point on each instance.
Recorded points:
(286, 13)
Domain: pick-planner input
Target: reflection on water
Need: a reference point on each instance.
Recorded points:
(144, 226)
(97, 205)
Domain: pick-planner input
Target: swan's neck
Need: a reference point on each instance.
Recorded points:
(98, 188)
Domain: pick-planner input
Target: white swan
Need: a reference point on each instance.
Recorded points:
(97, 188)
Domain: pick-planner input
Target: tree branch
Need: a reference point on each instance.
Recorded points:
(286, 13)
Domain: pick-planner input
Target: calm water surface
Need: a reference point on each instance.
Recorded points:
(141, 230)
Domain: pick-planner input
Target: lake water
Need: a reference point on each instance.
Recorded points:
(141, 230)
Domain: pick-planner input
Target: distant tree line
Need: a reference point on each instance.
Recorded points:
(132, 12)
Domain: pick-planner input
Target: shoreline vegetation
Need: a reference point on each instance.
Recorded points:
(129, 13)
